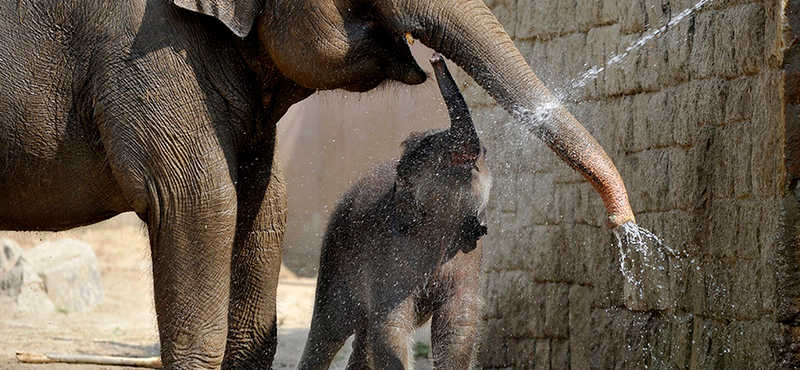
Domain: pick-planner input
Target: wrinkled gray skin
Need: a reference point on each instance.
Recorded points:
(402, 246)
(169, 110)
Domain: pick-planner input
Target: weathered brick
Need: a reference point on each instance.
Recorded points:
(710, 99)
(633, 17)
(739, 106)
(682, 177)
(677, 40)
(495, 347)
(525, 351)
(537, 19)
(559, 354)
(710, 344)
(580, 330)
(610, 11)
(703, 45)
(556, 311)
(646, 170)
(739, 40)
(746, 295)
(589, 13)
(542, 355)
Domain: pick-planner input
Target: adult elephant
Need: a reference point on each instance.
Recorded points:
(169, 110)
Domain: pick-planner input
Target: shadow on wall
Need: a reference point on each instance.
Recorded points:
(329, 139)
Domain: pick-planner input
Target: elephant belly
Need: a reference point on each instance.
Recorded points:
(53, 179)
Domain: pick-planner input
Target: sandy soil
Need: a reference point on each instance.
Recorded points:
(124, 323)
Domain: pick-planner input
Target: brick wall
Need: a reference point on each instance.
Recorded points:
(697, 121)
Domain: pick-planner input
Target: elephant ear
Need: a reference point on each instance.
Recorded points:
(238, 15)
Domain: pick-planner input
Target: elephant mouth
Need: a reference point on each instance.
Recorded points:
(391, 53)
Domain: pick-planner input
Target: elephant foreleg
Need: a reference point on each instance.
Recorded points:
(191, 240)
(455, 330)
(252, 332)
(391, 336)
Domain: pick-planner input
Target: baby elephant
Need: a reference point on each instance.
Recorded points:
(402, 246)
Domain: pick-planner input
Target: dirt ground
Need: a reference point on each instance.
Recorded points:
(124, 324)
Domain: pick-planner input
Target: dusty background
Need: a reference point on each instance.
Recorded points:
(124, 324)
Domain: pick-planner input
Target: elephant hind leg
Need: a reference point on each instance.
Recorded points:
(361, 357)
(256, 259)
(334, 320)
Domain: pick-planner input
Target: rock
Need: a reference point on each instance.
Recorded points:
(69, 273)
(32, 294)
(11, 253)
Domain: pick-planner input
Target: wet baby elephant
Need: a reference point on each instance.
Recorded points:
(403, 246)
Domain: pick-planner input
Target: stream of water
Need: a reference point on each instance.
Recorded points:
(632, 239)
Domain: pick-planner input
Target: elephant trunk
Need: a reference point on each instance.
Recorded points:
(468, 34)
(461, 126)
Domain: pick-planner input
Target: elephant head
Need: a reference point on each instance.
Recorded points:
(358, 44)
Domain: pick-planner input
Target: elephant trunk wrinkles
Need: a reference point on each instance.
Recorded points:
(461, 126)
(468, 34)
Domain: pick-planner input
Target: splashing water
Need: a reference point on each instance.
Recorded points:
(636, 241)
(649, 35)
(533, 119)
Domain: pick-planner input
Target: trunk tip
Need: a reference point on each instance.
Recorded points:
(436, 58)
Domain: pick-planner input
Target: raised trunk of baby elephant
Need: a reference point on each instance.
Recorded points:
(468, 34)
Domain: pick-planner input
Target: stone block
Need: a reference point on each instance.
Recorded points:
(653, 62)
(610, 11)
(722, 236)
(520, 302)
(739, 105)
(494, 347)
(746, 290)
(535, 196)
(589, 207)
(648, 182)
(559, 354)
(678, 41)
(751, 345)
(622, 66)
(524, 351)
(683, 121)
(580, 330)
(739, 40)
(542, 356)
(608, 284)
(703, 45)
(681, 271)
(682, 180)
(633, 17)
(676, 226)
(556, 311)
(710, 344)
(680, 342)
(27, 289)
(544, 256)
(589, 13)
(710, 100)
(68, 268)
(748, 226)
(536, 19)
(718, 285)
